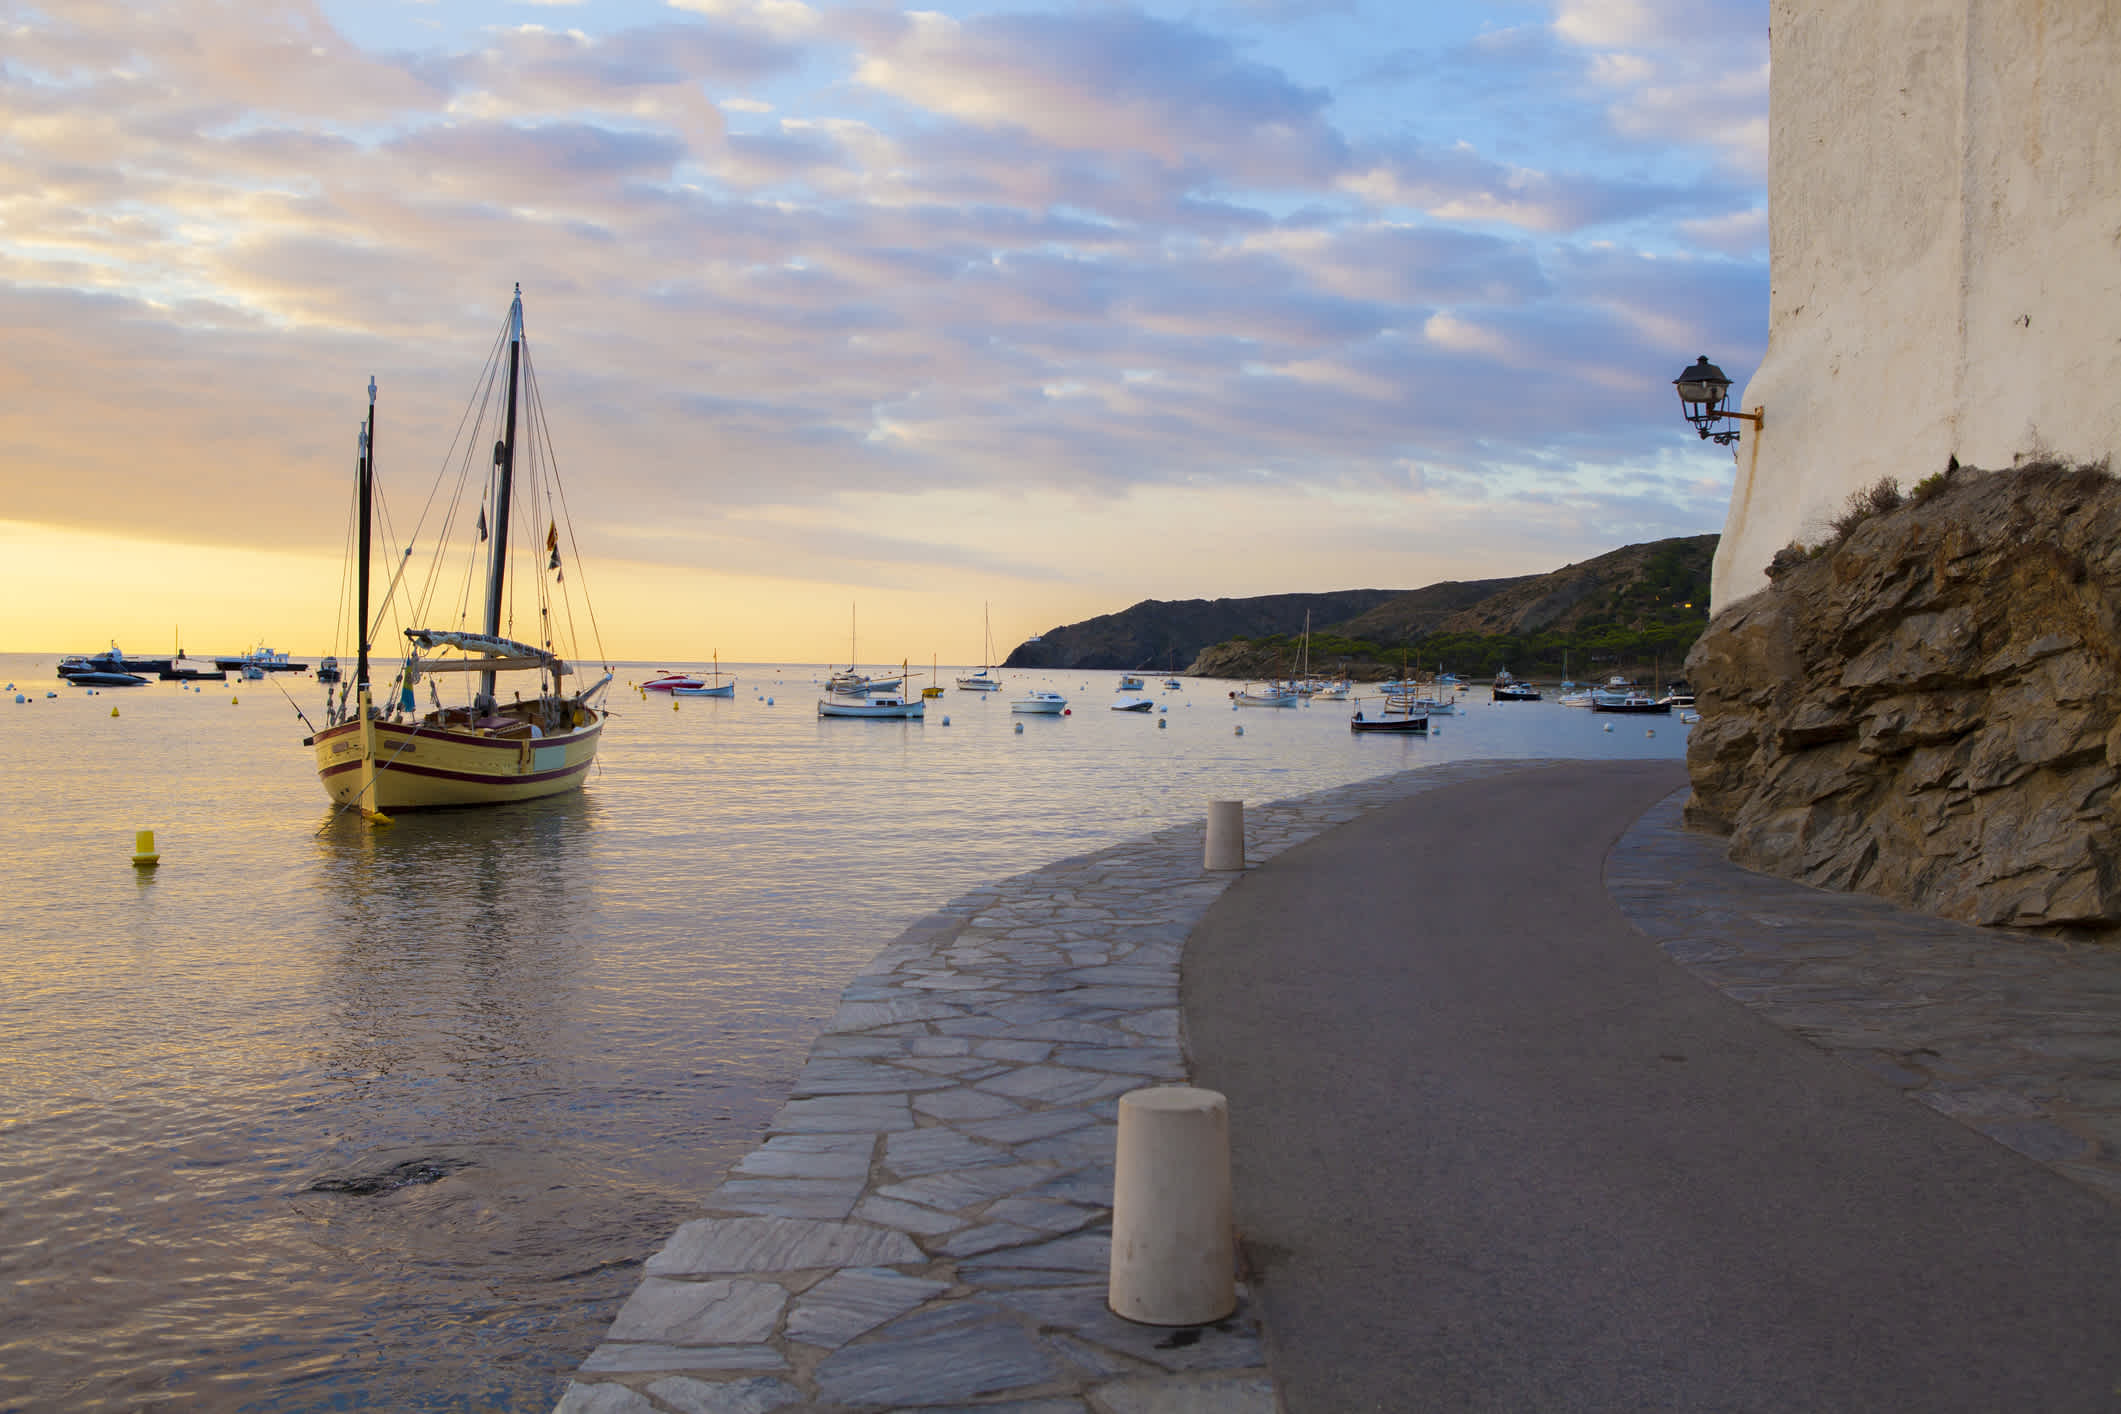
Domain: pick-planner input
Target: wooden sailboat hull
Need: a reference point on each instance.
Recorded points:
(423, 766)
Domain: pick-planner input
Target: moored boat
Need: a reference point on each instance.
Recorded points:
(1414, 723)
(872, 704)
(1040, 703)
(986, 679)
(1510, 689)
(699, 688)
(384, 756)
(105, 669)
(1133, 704)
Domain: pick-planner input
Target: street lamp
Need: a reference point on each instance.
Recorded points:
(1702, 391)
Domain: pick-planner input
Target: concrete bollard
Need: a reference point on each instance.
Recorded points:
(1174, 1241)
(1226, 835)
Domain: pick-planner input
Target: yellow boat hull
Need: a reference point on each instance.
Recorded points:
(423, 765)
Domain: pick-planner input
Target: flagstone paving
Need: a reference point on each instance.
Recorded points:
(2014, 1035)
(927, 1224)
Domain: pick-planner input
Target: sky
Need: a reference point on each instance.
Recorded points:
(864, 313)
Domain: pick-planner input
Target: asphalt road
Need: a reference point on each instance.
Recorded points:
(1493, 1151)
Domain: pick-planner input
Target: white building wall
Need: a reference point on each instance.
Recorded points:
(1944, 217)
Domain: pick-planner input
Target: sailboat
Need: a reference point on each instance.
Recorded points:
(853, 681)
(383, 756)
(985, 679)
(696, 688)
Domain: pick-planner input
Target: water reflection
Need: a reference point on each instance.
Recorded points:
(512, 1045)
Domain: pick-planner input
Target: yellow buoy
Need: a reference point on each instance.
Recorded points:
(114, 711)
(144, 856)
(673, 706)
(231, 701)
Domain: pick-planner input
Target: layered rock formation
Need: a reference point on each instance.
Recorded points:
(1928, 709)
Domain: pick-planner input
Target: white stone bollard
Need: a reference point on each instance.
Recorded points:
(1226, 835)
(1174, 1241)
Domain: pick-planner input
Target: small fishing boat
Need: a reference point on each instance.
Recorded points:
(671, 682)
(1173, 685)
(327, 670)
(1272, 695)
(885, 705)
(1133, 704)
(1131, 682)
(388, 755)
(1414, 724)
(699, 688)
(1040, 703)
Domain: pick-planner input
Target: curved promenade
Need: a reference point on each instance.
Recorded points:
(925, 1224)
(1520, 1161)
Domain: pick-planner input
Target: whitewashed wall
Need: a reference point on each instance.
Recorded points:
(1944, 212)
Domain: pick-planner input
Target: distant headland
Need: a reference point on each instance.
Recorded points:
(1627, 611)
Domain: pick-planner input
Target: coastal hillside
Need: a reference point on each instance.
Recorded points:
(1635, 587)
(1635, 610)
(1167, 635)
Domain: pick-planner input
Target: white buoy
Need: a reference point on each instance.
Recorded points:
(769, 702)
(1225, 847)
(1174, 1239)
(1609, 726)
(946, 722)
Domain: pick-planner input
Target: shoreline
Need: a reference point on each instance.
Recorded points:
(927, 1219)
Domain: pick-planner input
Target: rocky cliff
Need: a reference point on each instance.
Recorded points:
(1927, 708)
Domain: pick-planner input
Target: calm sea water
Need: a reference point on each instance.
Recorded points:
(317, 1116)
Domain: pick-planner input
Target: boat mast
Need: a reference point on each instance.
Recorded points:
(367, 478)
(504, 457)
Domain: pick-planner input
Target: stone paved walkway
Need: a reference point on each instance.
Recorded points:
(926, 1226)
(2016, 1036)
(928, 1221)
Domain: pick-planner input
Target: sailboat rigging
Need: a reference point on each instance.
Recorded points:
(985, 680)
(382, 756)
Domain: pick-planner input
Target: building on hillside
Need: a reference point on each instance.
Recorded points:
(1944, 215)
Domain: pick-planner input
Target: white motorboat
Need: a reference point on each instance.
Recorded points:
(1040, 703)
(1133, 704)
(1265, 697)
(872, 704)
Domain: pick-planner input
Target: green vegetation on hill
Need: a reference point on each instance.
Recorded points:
(1624, 611)
(1636, 610)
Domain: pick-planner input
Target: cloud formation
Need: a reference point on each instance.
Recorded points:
(778, 258)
